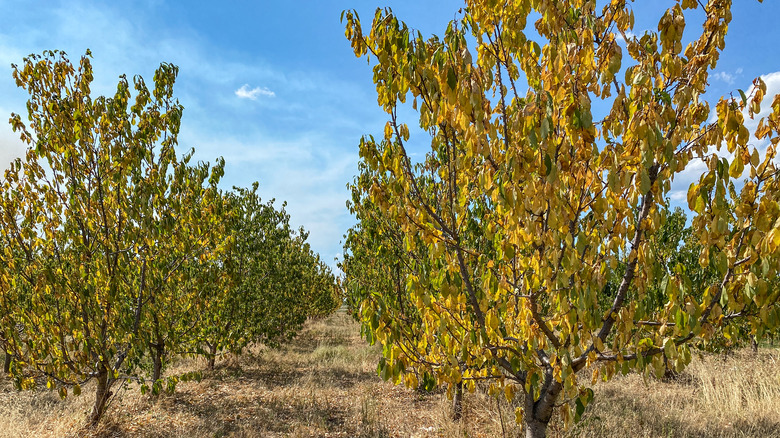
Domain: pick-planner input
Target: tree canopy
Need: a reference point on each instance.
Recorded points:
(119, 253)
(528, 235)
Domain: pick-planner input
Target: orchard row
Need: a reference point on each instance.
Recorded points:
(120, 255)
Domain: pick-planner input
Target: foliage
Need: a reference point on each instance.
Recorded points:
(96, 222)
(273, 281)
(119, 254)
(552, 151)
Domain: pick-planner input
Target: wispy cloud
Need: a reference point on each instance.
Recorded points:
(10, 145)
(724, 76)
(629, 34)
(728, 78)
(245, 93)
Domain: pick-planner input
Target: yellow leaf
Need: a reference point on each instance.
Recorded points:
(736, 167)
(509, 392)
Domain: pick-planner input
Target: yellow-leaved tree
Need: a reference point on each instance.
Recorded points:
(529, 228)
(96, 223)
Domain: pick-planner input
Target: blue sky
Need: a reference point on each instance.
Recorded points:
(274, 87)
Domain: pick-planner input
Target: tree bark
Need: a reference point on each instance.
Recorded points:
(669, 372)
(159, 350)
(158, 346)
(535, 429)
(538, 413)
(212, 355)
(457, 402)
(7, 363)
(102, 394)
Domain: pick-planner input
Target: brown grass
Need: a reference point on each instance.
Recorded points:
(324, 384)
(735, 395)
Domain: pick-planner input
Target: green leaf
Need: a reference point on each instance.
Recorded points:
(644, 181)
(736, 168)
(742, 95)
(547, 165)
(452, 79)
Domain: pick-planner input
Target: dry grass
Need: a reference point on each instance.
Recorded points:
(324, 384)
(716, 396)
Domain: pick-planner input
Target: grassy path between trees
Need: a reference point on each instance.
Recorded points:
(324, 384)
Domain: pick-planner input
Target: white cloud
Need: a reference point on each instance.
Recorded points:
(696, 167)
(678, 196)
(11, 147)
(629, 34)
(245, 93)
(723, 76)
(683, 180)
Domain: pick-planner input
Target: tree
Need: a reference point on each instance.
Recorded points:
(96, 221)
(552, 151)
(377, 265)
(270, 280)
(319, 288)
(192, 246)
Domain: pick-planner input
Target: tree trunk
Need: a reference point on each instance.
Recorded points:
(159, 350)
(158, 346)
(669, 372)
(754, 344)
(212, 355)
(535, 429)
(537, 413)
(457, 402)
(102, 394)
(7, 363)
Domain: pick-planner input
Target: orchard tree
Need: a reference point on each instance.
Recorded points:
(193, 239)
(96, 221)
(319, 289)
(246, 299)
(377, 265)
(552, 150)
(265, 284)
